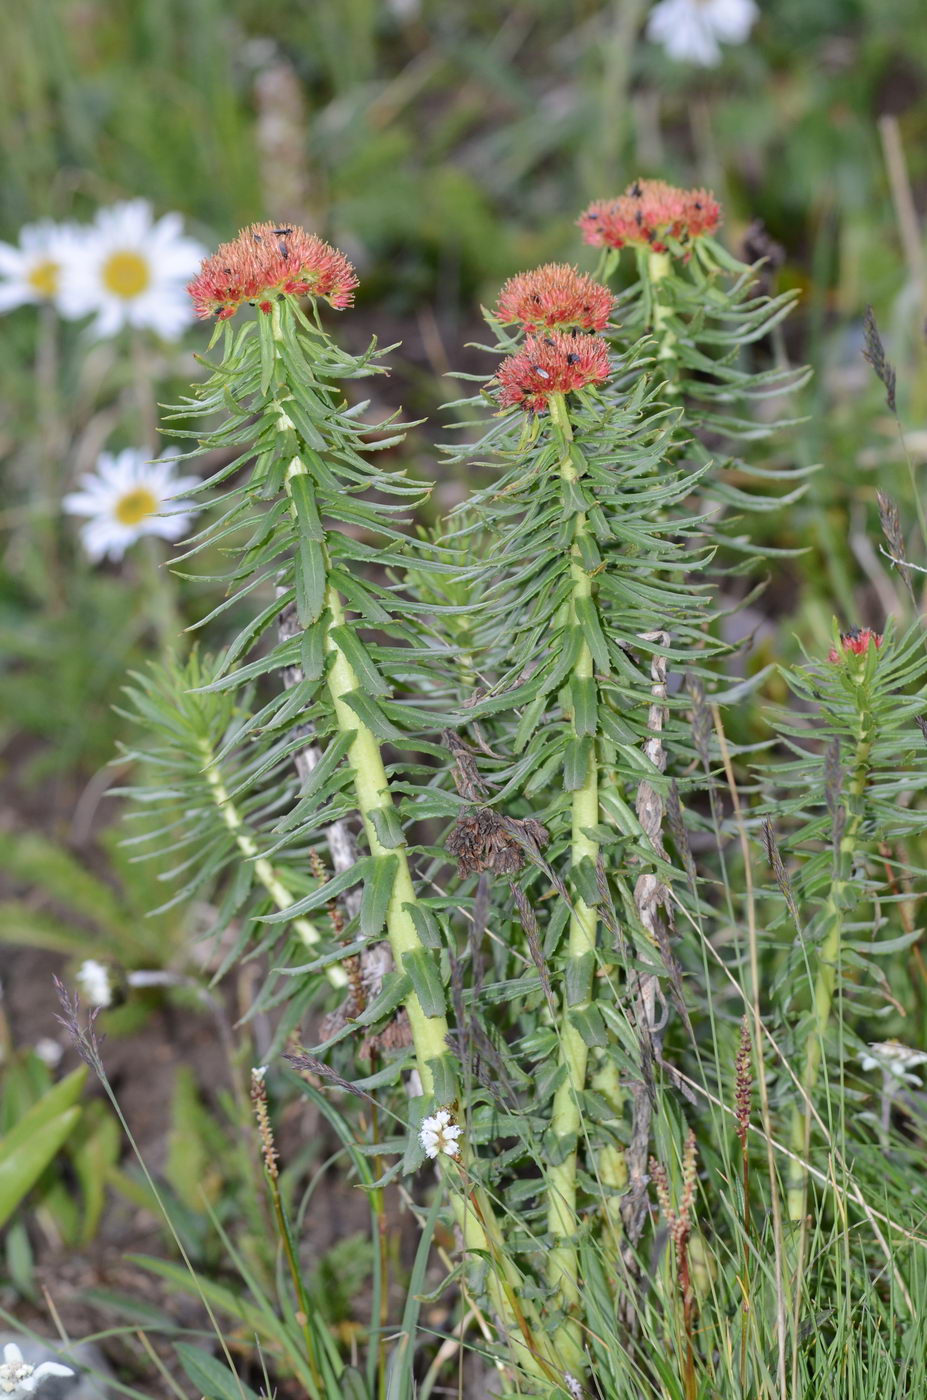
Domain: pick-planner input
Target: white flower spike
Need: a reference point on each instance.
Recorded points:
(127, 497)
(894, 1059)
(132, 271)
(690, 30)
(32, 271)
(18, 1378)
(438, 1134)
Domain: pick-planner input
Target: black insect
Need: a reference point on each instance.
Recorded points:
(281, 235)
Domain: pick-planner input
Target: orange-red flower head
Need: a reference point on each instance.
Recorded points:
(555, 295)
(555, 363)
(649, 213)
(267, 261)
(856, 642)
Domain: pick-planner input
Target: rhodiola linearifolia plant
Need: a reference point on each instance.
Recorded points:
(542, 632)
(586, 595)
(707, 310)
(291, 524)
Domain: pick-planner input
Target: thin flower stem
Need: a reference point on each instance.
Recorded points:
(302, 1299)
(264, 871)
(566, 1116)
(159, 592)
(838, 899)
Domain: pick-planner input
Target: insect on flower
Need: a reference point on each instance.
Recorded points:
(554, 364)
(555, 295)
(266, 262)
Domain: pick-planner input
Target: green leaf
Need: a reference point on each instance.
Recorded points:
(22, 1164)
(576, 759)
(378, 890)
(312, 651)
(370, 714)
(311, 578)
(387, 825)
(347, 641)
(578, 978)
(324, 893)
(422, 967)
(587, 615)
(302, 494)
(584, 695)
(588, 1021)
(426, 925)
(211, 1376)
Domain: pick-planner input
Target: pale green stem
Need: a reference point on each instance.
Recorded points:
(838, 898)
(429, 1033)
(659, 268)
(566, 1116)
(264, 871)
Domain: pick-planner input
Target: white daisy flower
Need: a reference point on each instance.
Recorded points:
(439, 1133)
(94, 981)
(894, 1059)
(18, 1378)
(689, 30)
(32, 272)
(131, 271)
(127, 497)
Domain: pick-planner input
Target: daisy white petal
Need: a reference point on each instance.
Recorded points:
(34, 270)
(132, 271)
(129, 496)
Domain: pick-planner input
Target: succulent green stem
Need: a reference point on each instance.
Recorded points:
(566, 1116)
(263, 870)
(839, 899)
(659, 268)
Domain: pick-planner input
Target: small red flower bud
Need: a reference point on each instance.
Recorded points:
(556, 363)
(555, 295)
(648, 213)
(856, 641)
(264, 263)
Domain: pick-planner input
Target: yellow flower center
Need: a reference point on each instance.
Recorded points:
(43, 277)
(135, 505)
(126, 274)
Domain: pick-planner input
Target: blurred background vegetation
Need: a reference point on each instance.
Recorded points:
(443, 147)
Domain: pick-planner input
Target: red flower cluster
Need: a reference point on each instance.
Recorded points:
(265, 262)
(648, 213)
(555, 295)
(856, 642)
(556, 363)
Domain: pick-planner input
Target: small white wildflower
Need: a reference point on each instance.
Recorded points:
(689, 30)
(258, 1072)
(894, 1059)
(94, 981)
(127, 497)
(573, 1386)
(439, 1133)
(132, 271)
(32, 271)
(18, 1378)
(49, 1051)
